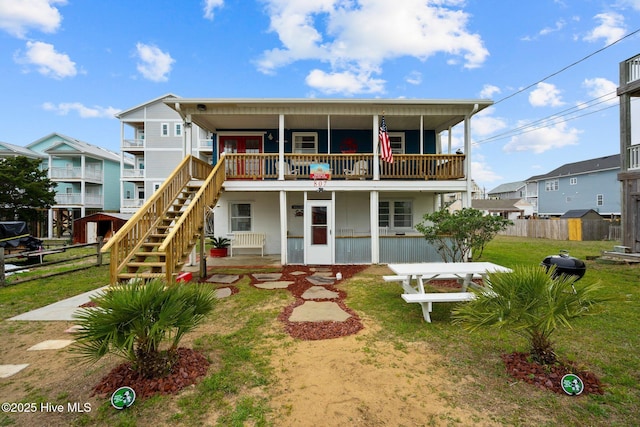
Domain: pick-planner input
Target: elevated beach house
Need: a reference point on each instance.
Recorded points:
(305, 174)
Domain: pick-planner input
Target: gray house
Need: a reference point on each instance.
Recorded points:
(510, 190)
(589, 184)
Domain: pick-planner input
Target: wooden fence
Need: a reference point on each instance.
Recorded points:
(564, 229)
(73, 258)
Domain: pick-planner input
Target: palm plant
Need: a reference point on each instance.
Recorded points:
(532, 303)
(142, 322)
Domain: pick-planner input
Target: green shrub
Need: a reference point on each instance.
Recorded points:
(135, 320)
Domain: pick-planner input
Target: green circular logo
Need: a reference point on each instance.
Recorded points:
(123, 397)
(572, 384)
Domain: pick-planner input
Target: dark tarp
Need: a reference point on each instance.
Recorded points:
(16, 233)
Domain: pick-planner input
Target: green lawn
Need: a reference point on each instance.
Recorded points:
(607, 344)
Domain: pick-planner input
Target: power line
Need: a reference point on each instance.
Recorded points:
(567, 67)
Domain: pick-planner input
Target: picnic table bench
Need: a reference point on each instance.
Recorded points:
(426, 300)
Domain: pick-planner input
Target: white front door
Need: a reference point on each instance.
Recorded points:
(318, 232)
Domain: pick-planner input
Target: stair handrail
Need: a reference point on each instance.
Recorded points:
(178, 242)
(132, 234)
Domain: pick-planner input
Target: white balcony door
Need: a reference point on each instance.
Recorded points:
(318, 233)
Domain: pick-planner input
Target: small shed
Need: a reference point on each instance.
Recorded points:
(582, 214)
(102, 224)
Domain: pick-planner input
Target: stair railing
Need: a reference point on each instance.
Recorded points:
(133, 234)
(181, 238)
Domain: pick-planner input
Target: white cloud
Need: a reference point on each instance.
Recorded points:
(635, 4)
(553, 134)
(48, 62)
(18, 16)
(83, 111)
(602, 89)
(481, 171)
(414, 78)
(345, 82)
(545, 95)
(357, 37)
(611, 28)
(154, 64)
(484, 124)
(489, 90)
(209, 5)
(548, 30)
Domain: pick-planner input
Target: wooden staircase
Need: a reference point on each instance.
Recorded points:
(156, 241)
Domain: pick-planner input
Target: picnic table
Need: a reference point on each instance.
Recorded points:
(425, 272)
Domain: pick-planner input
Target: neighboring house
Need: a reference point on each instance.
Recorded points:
(510, 190)
(453, 201)
(10, 150)
(86, 178)
(307, 172)
(589, 184)
(506, 208)
(153, 139)
(629, 176)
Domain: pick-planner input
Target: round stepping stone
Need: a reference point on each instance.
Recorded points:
(319, 292)
(282, 284)
(318, 311)
(223, 292)
(298, 273)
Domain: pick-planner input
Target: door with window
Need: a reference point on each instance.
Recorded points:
(318, 233)
(244, 166)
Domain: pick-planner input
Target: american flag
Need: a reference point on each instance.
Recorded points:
(385, 144)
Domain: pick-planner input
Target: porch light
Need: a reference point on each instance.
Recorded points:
(201, 107)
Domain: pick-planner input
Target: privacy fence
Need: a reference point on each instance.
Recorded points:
(564, 229)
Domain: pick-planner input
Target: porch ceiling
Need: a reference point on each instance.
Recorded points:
(216, 114)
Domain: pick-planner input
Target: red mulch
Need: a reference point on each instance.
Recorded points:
(519, 366)
(190, 366)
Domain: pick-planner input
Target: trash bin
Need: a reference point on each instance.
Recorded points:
(565, 264)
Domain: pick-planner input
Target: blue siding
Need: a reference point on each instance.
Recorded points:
(582, 194)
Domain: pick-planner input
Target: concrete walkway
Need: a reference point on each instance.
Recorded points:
(61, 310)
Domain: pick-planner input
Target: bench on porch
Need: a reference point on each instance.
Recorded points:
(248, 240)
(427, 300)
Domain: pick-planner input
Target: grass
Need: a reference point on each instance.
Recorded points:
(244, 331)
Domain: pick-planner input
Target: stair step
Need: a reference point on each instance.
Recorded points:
(145, 264)
(127, 276)
(149, 254)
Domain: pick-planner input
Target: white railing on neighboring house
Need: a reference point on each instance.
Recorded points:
(634, 157)
(133, 173)
(132, 203)
(205, 143)
(76, 199)
(633, 69)
(132, 143)
(76, 173)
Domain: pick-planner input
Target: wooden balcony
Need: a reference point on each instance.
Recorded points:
(260, 166)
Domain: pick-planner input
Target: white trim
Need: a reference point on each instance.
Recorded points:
(164, 134)
(231, 217)
(294, 135)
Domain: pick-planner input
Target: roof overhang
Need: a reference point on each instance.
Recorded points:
(216, 114)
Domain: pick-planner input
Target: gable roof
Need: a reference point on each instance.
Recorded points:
(144, 104)
(503, 205)
(507, 187)
(579, 213)
(81, 146)
(586, 166)
(7, 149)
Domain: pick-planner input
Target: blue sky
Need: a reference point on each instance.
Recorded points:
(68, 66)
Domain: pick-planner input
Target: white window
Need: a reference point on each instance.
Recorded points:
(551, 185)
(177, 129)
(395, 214)
(397, 142)
(573, 181)
(599, 199)
(164, 129)
(305, 142)
(240, 217)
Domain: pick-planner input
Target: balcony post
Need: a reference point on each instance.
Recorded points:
(281, 147)
(376, 158)
(375, 231)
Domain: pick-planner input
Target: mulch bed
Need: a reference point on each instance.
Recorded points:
(189, 366)
(548, 377)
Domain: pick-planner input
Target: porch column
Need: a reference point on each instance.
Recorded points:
(422, 134)
(283, 227)
(50, 223)
(375, 231)
(328, 134)
(83, 185)
(466, 199)
(376, 158)
(281, 147)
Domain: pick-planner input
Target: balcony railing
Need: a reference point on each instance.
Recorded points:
(132, 203)
(132, 143)
(76, 173)
(205, 143)
(76, 199)
(634, 157)
(632, 69)
(133, 173)
(346, 166)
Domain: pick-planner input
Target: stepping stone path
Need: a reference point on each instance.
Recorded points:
(319, 311)
(282, 284)
(223, 278)
(50, 345)
(319, 292)
(264, 277)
